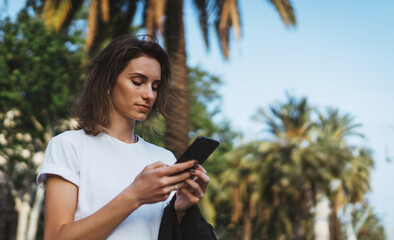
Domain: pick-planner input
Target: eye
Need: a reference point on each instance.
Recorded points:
(155, 86)
(137, 83)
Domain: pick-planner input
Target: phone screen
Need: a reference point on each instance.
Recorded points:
(199, 150)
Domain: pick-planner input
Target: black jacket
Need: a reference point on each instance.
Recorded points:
(192, 227)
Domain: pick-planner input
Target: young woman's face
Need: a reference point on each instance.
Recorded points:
(135, 90)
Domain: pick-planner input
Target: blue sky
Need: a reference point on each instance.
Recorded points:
(340, 54)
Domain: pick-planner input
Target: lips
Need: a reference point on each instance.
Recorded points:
(143, 107)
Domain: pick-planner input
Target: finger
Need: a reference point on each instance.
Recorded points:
(202, 168)
(155, 165)
(177, 168)
(169, 189)
(190, 196)
(177, 178)
(194, 188)
(173, 187)
(179, 185)
(202, 176)
(192, 185)
(202, 179)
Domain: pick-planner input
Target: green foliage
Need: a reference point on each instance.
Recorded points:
(288, 120)
(39, 74)
(273, 183)
(205, 102)
(39, 71)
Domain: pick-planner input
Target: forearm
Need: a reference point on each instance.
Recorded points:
(100, 224)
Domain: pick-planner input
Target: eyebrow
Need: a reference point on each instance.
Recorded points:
(136, 74)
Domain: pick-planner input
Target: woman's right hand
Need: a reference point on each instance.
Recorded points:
(157, 181)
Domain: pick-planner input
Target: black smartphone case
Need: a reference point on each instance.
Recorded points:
(199, 150)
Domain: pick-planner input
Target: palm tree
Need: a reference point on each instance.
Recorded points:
(303, 159)
(285, 169)
(239, 182)
(312, 158)
(112, 18)
(350, 165)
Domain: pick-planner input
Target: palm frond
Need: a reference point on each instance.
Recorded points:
(285, 10)
(201, 7)
(227, 17)
(337, 126)
(55, 13)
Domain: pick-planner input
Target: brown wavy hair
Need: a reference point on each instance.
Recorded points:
(93, 106)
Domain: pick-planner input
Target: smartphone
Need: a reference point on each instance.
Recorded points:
(199, 150)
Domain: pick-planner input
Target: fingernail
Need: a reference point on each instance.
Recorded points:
(192, 170)
(196, 164)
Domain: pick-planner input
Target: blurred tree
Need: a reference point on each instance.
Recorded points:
(108, 19)
(350, 165)
(269, 177)
(300, 160)
(366, 224)
(288, 171)
(39, 74)
(239, 185)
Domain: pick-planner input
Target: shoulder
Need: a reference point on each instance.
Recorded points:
(71, 136)
(162, 154)
(68, 140)
(62, 157)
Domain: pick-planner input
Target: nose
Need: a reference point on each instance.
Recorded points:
(148, 93)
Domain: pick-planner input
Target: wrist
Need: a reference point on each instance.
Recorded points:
(180, 215)
(132, 200)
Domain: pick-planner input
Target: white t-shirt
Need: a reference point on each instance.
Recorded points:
(102, 167)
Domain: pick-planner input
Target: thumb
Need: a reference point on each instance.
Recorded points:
(155, 165)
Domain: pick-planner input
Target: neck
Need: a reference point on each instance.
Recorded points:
(124, 132)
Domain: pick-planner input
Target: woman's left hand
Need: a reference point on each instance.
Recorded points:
(192, 192)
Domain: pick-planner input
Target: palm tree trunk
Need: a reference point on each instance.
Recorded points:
(177, 130)
(350, 233)
(23, 208)
(35, 213)
(335, 226)
(298, 214)
(298, 227)
(321, 225)
(247, 225)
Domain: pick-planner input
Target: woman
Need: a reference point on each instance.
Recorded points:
(102, 180)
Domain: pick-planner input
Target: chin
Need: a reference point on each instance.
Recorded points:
(141, 118)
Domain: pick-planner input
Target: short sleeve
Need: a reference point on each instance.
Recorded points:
(161, 154)
(167, 157)
(60, 159)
